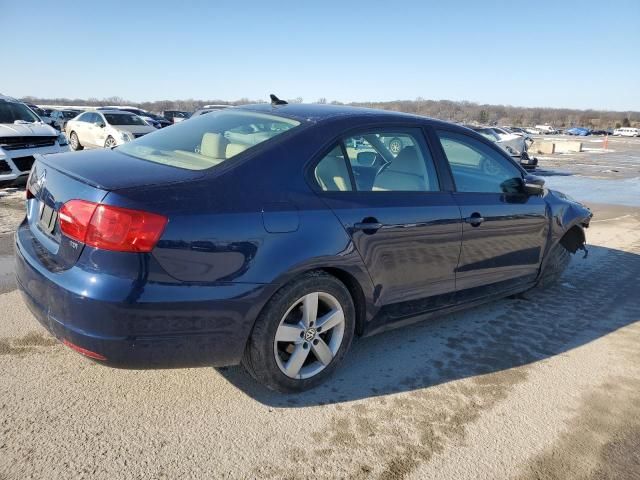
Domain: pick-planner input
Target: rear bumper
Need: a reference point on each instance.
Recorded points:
(166, 326)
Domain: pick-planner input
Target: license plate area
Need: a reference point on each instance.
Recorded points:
(48, 219)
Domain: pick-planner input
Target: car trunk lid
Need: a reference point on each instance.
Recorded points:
(56, 179)
(111, 170)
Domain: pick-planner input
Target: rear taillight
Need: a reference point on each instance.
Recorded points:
(111, 228)
(29, 193)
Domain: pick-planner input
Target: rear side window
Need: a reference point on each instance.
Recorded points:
(387, 161)
(476, 167)
(332, 173)
(208, 140)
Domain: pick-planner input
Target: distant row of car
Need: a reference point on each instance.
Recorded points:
(514, 140)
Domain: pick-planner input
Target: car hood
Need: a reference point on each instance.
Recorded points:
(135, 128)
(111, 170)
(26, 130)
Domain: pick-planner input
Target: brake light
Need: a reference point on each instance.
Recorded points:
(28, 191)
(74, 217)
(111, 228)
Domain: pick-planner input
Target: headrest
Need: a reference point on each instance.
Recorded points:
(407, 161)
(213, 145)
(235, 149)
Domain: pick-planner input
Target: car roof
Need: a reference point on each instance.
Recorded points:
(115, 111)
(320, 112)
(9, 99)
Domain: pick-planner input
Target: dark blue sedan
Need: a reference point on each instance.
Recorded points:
(272, 235)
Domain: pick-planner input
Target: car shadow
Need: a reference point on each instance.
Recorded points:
(591, 300)
(552, 173)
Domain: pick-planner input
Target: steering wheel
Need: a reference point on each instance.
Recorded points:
(383, 168)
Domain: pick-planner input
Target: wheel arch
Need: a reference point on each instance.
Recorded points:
(357, 295)
(573, 239)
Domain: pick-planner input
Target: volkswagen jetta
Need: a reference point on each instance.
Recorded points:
(272, 235)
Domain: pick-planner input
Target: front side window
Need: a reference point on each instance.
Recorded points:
(476, 167)
(85, 117)
(208, 140)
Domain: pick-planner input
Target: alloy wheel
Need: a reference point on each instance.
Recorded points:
(110, 143)
(309, 335)
(74, 141)
(395, 145)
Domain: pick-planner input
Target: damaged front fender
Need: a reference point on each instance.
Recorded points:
(568, 221)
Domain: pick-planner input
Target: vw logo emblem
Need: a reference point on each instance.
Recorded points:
(310, 334)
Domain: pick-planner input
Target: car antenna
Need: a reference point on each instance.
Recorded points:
(276, 101)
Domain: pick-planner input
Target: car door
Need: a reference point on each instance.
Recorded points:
(99, 130)
(405, 227)
(81, 126)
(504, 230)
(87, 136)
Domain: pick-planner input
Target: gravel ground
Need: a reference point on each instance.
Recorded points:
(534, 387)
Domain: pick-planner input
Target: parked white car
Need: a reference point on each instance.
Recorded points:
(627, 132)
(23, 135)
(105, 128)
(546, 129)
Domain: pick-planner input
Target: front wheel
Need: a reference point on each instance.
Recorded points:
(302, 334)
(110, 142)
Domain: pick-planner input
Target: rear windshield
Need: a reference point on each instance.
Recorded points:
(11, 112)
(123, 119)
(208, 140)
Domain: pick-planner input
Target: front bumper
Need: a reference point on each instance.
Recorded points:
(152, 326)
(17, 163)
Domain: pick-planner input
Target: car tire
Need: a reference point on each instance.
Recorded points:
(74, 142)
(559, 259)
(281, 339)
(110, 142)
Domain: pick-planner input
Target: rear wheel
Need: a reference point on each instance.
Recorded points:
(110, 142)
(75, 142)
(302, 335)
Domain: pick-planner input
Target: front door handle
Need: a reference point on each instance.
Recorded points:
(474, 220)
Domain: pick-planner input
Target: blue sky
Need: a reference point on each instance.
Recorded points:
(533, 53)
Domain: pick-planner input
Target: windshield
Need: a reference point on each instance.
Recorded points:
(11, 112)
(208, 140)
(488, 133)
(136, 111)
(123, 119)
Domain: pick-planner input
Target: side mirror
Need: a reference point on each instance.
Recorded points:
(533, 185)
(101, 125)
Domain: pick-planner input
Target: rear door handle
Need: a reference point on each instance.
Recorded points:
(474, 220)
(367, 226)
